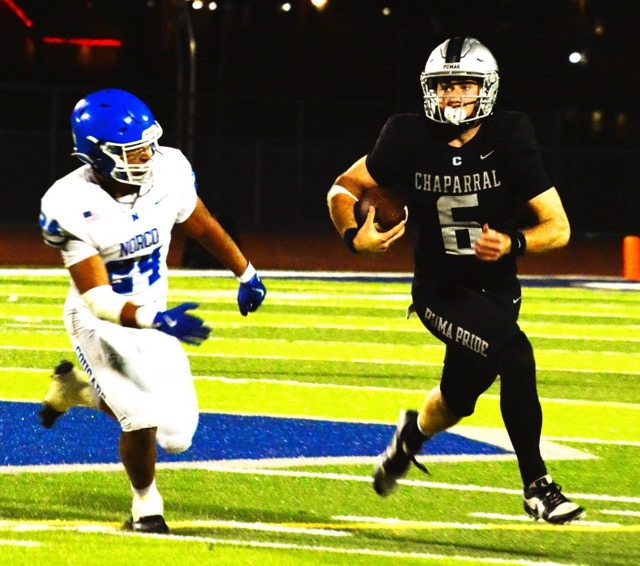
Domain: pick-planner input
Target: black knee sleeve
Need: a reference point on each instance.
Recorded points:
(516, 358)
(459, 402)
(461, 387)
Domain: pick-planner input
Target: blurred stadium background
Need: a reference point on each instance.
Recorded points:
(272, 99)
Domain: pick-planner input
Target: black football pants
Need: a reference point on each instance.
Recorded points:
(479, 327)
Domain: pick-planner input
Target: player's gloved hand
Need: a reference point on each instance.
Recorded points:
(251, 292)
(186, 327)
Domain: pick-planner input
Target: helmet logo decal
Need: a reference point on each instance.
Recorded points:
(454, 49)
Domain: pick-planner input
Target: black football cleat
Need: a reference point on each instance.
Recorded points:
(394, 462)
(153, 524)
(48, 415)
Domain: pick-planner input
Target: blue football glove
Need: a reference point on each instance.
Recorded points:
(250, 295)
(186, 327)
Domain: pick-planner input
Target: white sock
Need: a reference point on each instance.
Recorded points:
(422, 432)
(151, 488)
(146, 502)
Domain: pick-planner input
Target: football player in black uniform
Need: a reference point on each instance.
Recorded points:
(465, 170)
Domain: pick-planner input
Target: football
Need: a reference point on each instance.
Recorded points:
(390, 208)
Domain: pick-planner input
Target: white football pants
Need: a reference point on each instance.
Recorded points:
(143, 376)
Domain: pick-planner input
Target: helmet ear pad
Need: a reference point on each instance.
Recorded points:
(100, 161)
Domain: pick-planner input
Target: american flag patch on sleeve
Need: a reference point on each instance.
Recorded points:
(90, 216)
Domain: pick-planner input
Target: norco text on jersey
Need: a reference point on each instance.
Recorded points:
(140, 242)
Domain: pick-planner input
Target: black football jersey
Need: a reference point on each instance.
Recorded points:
(453, 191)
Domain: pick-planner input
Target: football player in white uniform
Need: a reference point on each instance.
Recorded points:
(112, 219)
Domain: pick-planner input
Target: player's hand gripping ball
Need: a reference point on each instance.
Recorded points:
(391, 208)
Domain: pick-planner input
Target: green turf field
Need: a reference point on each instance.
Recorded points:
(340, 350)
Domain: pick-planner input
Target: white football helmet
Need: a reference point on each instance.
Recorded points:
(460, 57)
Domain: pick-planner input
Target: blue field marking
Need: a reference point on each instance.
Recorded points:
(84, 436)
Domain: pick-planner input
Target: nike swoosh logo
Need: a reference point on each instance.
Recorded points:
(169, 321)
(483, 157)
(259, 291)
(516, 300)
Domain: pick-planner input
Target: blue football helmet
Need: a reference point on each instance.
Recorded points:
(106, 126)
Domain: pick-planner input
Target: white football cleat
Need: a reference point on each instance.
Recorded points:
(544, 500)
(69, 387)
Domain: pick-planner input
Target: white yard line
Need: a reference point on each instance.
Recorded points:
(242, 381)
(245, 381)
(334, 359)
(357, 524)
(110, 530)
(25, 543)
(226, 467)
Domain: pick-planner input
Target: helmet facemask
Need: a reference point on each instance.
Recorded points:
(123, 170)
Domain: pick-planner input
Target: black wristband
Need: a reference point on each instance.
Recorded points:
(518, 243)
(348, 237)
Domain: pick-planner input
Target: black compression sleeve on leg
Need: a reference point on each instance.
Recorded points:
(520, 406)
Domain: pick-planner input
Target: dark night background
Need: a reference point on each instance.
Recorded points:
(270, 105)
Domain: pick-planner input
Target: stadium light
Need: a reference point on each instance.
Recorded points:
(577, 58)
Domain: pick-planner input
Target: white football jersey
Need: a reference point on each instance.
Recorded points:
(81, 219)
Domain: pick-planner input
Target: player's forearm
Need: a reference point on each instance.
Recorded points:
(218, 243)
(108, 305)
(341, 212)
(206, 230)
(548, 235)
(552, 229)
